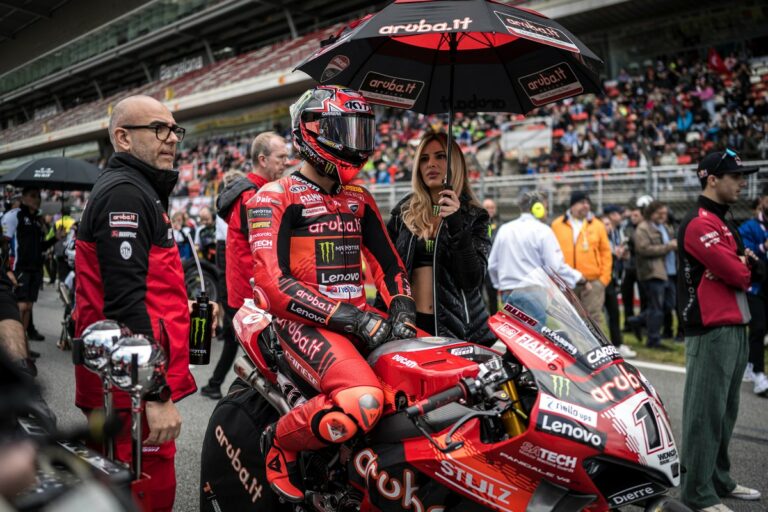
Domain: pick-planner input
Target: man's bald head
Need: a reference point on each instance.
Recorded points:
(139, 112)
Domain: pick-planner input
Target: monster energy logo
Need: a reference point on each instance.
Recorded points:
(429, 246)
(327, 250)
(435, 210)
(561, 385)
(199, 324)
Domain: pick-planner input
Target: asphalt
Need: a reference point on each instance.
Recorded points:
(749, 447)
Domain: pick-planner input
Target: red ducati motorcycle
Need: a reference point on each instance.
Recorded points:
(555, 420)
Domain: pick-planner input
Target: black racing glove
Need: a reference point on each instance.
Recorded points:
(402, 316)
(369, 327)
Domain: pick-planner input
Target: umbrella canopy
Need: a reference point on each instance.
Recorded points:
(55, 173)
(457, 56)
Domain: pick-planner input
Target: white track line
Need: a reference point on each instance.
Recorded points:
(657, 366)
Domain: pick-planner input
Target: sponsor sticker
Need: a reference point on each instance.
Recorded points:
(43, 172)
(462, 351)
(330, 277)
(575, 412)
(258, 245)
(250, 482)
(357, 106)
(520, 315)
(551, 84)
(310, 198)
(126, 250)
(567, 429)
(537, 348)
(353, 188)
(123, 234)
(601, 356)
(129, 220)
(262, 224)
(260, 213)
(391, 90)
(337, 64)
(314, 212)
(354, 206)
(558, 339)
(561, 385)
(471, 480)
(617, 387)
(341, 291)
(297, 189)
(408, 363)
(536, 31)
(507, 330)
(551, 458)
(633, 494)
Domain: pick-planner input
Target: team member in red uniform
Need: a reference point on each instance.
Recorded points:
(128, 269)
(269, 156)
(307, 233)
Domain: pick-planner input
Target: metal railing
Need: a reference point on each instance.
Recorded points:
(676, 185)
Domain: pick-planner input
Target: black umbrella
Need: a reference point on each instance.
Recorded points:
(457, 56)
(54, 173)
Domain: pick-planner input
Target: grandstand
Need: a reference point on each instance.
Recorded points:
(224, 67)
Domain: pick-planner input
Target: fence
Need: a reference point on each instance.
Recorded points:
(676, 185)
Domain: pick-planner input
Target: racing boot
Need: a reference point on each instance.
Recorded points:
(282, 473)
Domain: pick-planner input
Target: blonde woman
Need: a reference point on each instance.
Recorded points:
(442, 237)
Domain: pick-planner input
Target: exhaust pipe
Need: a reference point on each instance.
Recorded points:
(245, 369)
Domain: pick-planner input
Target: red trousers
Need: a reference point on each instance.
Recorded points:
(350, 399)
(157, 462)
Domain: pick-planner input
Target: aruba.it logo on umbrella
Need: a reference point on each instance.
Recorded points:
(423, 27)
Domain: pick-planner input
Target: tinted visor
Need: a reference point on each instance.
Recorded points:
(350, 131)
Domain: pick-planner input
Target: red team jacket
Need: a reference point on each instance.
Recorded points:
(709, 243)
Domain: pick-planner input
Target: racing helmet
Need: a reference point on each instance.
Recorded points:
(333, 129)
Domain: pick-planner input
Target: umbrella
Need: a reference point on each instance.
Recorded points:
(54, 173)
(457, 56)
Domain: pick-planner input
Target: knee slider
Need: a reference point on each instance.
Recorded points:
(362, 403)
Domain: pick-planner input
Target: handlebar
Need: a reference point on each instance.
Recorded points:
(427, 405)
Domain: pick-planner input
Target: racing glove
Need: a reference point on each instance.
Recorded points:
(369, 327)
(402, 316)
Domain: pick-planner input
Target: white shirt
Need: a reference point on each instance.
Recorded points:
(221, 229)
(576, 224)
(520, 247)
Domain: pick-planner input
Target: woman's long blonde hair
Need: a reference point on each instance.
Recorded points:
(417, 212)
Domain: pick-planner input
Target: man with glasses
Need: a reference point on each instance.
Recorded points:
(715, 271)
(128, 270)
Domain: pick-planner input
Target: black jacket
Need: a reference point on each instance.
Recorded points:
(461, 256)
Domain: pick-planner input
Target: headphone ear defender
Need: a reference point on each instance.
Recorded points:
(538, 210)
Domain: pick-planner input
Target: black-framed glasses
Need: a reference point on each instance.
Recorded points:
(162, 131)
(728, 152)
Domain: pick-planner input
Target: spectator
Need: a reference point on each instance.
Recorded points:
(205, 236)
(442, 234)
(585, 247)
(63, 225)
(24, 234)
(522, 246)
(655, 247)
(182, 234)
(619, 160)
(269, 158)
(629, 276)
(754, 233)
(612, 220)
(717, 270)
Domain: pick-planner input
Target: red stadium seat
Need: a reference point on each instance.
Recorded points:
(684, 159)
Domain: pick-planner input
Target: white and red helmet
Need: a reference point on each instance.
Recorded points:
(333, 129)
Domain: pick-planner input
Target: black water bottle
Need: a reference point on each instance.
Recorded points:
(200, 331)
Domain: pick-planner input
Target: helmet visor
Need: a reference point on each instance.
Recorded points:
(351, 132)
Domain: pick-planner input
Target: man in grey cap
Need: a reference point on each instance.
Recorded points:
(715, 271)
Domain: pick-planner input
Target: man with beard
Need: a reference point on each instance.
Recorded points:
(129, 270)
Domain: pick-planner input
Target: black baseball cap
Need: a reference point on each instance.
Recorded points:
(721, 163)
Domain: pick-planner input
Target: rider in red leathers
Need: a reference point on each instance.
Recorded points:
(307, 232)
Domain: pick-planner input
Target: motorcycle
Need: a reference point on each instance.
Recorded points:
(555, 421)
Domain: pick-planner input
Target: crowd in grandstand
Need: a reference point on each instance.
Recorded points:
(671, 111)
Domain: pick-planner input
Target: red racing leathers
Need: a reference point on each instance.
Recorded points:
(307, 246)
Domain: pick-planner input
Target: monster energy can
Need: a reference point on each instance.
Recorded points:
(200, 331)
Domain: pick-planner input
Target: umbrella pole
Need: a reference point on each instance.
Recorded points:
(452, 46)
